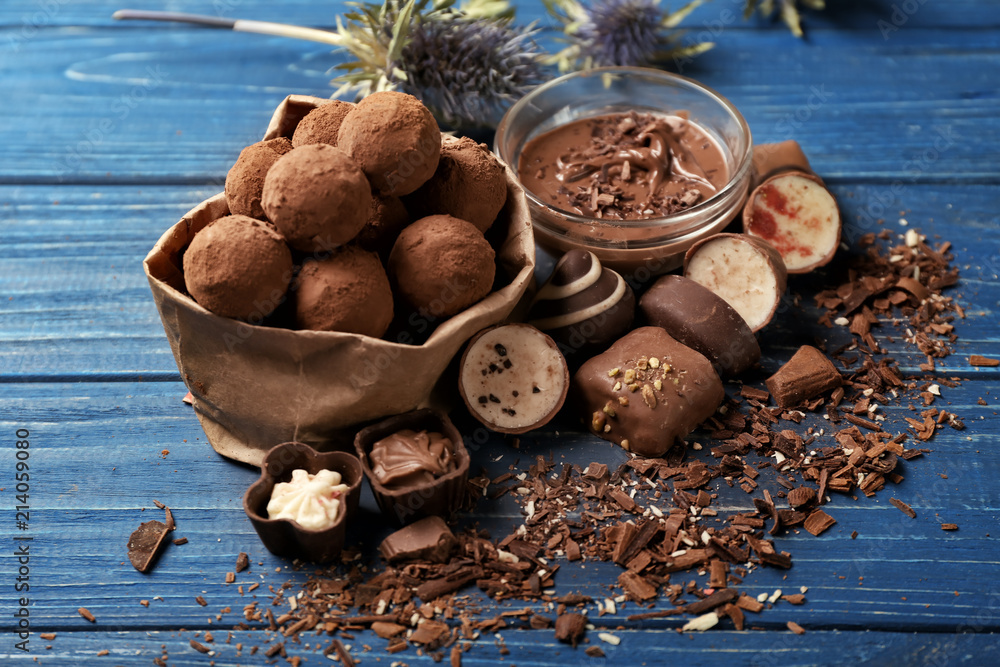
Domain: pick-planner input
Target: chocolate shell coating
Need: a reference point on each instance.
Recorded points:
(695, 316)
(442, 265)
(646, 391)
(317, 197)
(583, 306)
(395, 139)
(513, 378)
(744, 270)
(322, 124)
(349, 292)
(238, 267)
(469, 184)
(245, 181)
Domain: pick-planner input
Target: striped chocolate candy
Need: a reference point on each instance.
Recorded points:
(583, 306)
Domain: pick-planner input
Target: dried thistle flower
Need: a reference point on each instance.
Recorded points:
(467, 65)
(787, 8)
(620, 32)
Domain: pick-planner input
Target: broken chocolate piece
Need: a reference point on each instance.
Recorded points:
(525, 386)
(808, 373)
(570, 628)
(702, 320)
(817, 522)
(429, 539)
(744, 270)
(148, 540)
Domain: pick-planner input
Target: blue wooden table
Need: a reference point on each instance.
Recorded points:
(111, 132)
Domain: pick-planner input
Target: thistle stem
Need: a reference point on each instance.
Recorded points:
(237, 25)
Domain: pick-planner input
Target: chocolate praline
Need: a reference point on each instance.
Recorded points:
(646, 391)
(395, 139)
(245, 181)
(238, 267)
(702, 320)
(583, 305)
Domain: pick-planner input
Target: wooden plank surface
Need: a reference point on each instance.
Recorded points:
(919, 107)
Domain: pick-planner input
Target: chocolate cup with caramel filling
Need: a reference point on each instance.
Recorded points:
(286, 537)
(440, 497)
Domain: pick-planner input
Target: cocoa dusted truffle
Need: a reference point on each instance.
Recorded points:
(583, 306)
(347, 292)
(388, 219)
(245, 181)
(317, 197)
(469, 184)
(513, 378)
(647, 391)
(702, 320)
(321, 125)
(395, 139)
(239, 267)
(442, 265)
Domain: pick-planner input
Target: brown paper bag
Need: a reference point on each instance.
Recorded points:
(255, 387)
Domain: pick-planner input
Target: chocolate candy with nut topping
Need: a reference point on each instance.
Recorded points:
(513, 378)
(698, 318)
(646, 391)
(583, 305)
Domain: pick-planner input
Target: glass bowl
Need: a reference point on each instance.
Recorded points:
(642, 248)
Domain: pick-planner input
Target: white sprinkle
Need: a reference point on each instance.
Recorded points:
(803, 589)
(903, 222)
(696, 446)
(702, 623)
(841, 321)
(868, 392)
(774, 596)
(656, 510)
(612, 639)
(705, 537)
(610, 607)
(762, 597)
(912, 238)
(678, 553)
(506, 557)
(934, 389)
(529, 509)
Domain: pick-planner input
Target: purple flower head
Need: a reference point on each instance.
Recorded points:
(621, 32)
(469, 70)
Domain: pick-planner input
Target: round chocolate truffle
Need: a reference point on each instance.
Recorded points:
(238, 266)
(317, 197)
(395, 139)
(321, 125)
(583, 306)
(442, 265)
(347, 292)
(702, 320)
(245, 181)
(469, 183)
(389, 217)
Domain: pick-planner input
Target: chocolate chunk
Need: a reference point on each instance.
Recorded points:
(145, 544)
(903, 507)
(808, 373)
(744, 270)
(818, 522)
(583, 306)
(702, 320)
(530, 360)
(646, 391)
(429, 539)
(570, 628)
